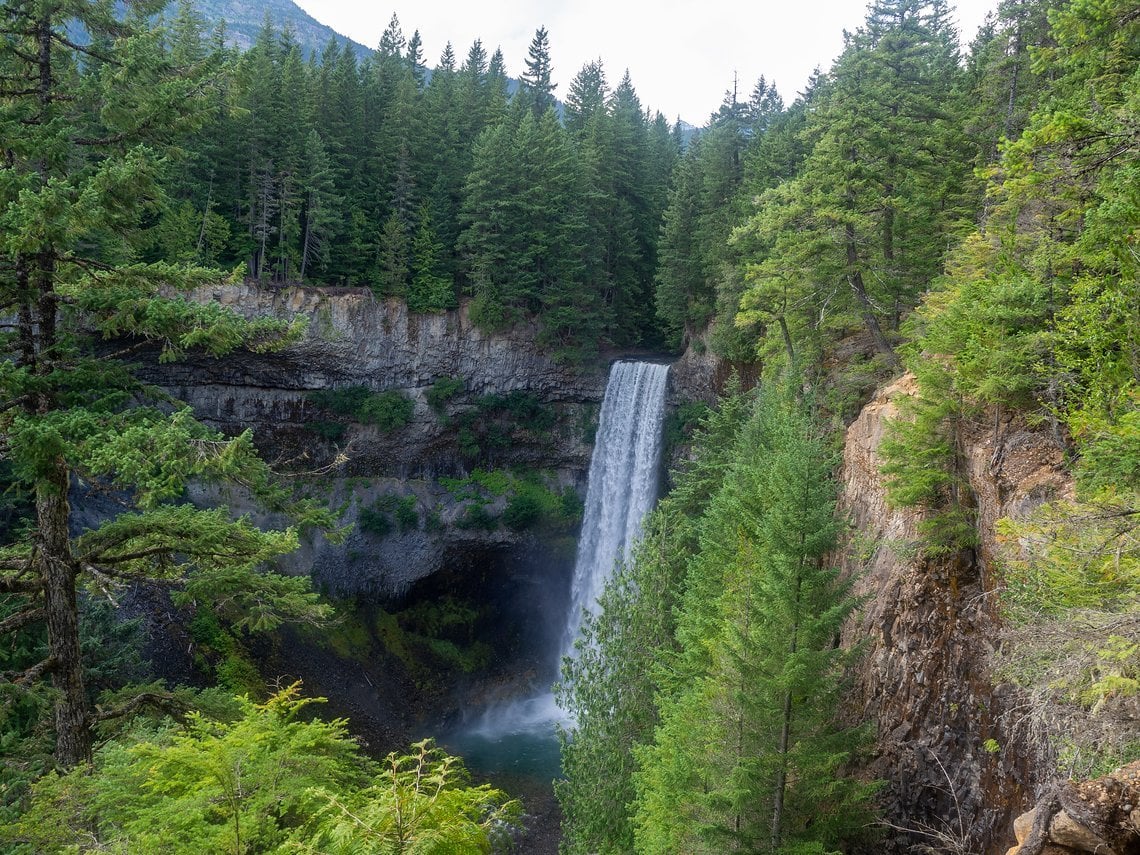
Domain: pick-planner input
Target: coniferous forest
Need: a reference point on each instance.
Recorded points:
(965, 213)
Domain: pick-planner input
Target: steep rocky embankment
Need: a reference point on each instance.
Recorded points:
(947, 746)
(355, 340)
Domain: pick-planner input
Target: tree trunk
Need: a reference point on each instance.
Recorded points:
(855, 280)
(787, 340)
(57, 570)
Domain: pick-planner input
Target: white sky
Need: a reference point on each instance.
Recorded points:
(681, 54)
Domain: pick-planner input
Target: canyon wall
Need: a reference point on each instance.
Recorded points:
(947, 747)
(354, 339)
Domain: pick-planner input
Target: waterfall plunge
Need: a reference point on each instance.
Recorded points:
(623, 483)
(622, 488)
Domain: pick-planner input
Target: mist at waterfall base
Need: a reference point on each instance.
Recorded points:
(518, 738)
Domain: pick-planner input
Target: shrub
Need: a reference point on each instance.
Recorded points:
(375, 521)
(442, 391)
(386, 410)
(478, 516)
(407, 517)
(523, 511)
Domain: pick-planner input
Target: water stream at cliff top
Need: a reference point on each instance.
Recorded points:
(623, 483)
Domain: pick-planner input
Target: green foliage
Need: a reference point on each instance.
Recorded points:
(521, 407)
(500, 419)
(477, 516)
(925, 465)
(442, 391)
(681, 422)
(221, 652)
(407, 517)
(522, 512)
(387, 411)
(422, 802)
(432, 637)
(377, 518)
(1037, 314)
(757, 767)
(530, 501)
(273, 779)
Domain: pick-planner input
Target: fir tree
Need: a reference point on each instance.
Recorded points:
(747, 754)
(85, 143)
(536, 87)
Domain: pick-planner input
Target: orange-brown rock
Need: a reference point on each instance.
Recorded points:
(928, 627)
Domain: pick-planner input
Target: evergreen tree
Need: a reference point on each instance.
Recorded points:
(747, 755)
(320, 211)
(431, 288)
(586, 98)
(862, 228)
(536, 88)
(85, 143)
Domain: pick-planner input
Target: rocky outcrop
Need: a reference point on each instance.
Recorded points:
(701, 374)
(353, 339)
(953, 769)
(1100, 817)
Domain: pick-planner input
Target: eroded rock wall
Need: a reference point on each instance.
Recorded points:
(354, 339)
(953, 767)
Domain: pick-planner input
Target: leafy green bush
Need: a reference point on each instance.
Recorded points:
(407, 517)
(375, 521)
(305, 786)
(477, 516)
(523, 511)
(442, 391)
(386, 410)
(468, 442)
(522, 407)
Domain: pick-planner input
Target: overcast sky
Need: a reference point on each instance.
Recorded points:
(681, 54)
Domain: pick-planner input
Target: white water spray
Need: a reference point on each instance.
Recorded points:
(623, 483)
(622, 488)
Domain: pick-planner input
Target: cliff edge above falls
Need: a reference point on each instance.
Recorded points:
(354, 339)
(951, 761)
(510, 406)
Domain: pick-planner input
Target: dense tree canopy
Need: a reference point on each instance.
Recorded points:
(970, 215)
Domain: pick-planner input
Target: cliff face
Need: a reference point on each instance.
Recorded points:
(953, 766)
(354, 339)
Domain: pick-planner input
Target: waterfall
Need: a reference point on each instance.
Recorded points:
(622, 488)
(623, 482)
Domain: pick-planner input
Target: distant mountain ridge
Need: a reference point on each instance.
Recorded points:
(245, 18)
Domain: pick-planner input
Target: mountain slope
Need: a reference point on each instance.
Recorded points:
(244, 19)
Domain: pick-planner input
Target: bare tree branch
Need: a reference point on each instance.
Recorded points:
(21, 619)
(160, 700)
(31, 675)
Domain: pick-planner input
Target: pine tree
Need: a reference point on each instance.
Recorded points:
(86, 131)
(863, 227)
(536, 87)
(431, 288)
(586, 98)
(747, 754)
(320, 211)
